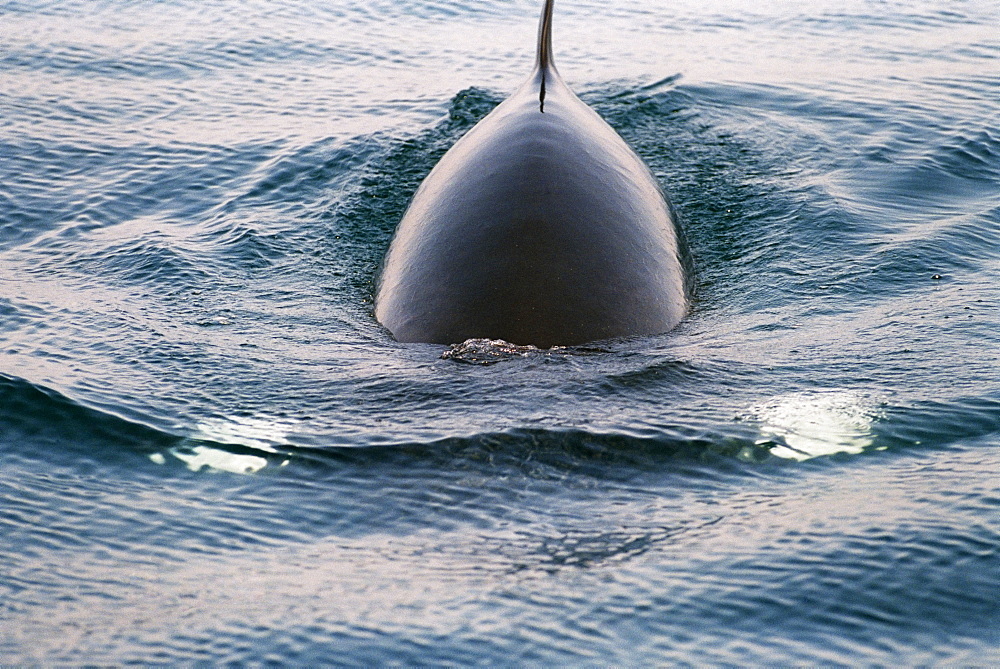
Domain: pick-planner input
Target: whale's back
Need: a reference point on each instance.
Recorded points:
(540, 226)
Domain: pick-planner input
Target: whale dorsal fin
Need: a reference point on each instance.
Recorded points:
(543, 61)
(544, 58)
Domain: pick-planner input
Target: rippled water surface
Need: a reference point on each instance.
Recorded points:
(210, 451)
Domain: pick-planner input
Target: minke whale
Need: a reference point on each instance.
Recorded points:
(539, 226)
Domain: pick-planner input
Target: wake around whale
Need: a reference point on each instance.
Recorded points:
(539, 226)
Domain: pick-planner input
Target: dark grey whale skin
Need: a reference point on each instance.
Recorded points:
(539, 226)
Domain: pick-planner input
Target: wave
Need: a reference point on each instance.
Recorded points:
(36, 421)
(41, 423)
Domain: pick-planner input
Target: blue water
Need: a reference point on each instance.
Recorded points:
(211, 452)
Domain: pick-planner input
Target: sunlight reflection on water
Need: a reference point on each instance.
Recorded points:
(257, 433)
(809, 425)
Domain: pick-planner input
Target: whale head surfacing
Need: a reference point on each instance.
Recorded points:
(539, 226)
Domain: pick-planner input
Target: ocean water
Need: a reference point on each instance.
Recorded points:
(210, 451)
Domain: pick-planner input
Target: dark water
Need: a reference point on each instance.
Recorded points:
(210, 451)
